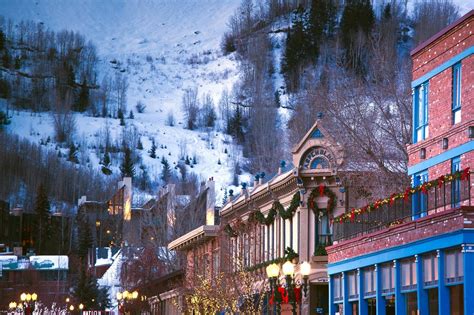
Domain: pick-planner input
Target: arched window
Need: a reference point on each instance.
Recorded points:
(319, 162)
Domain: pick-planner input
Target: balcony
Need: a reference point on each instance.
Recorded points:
(448, 192)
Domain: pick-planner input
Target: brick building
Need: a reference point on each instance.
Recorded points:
(413, 252)
(291, 212)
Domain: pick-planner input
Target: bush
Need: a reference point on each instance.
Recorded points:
(227, 44)
(140, 107)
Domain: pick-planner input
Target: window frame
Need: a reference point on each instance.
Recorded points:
(458, 263)
(456, 92)
(412, 285)
(456, 184)
(421, 112)
(432, 259)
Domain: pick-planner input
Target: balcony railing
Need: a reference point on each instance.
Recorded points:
(433, 197)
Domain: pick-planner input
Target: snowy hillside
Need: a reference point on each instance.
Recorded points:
(164, 47)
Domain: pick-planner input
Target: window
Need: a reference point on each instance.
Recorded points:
(456, 185)
(456, 297)
(420, 99)
(408, 274)
(420, 200)
(246, 250)
(430, 270)
(337, 288)
(353, 285)
(388, 279)
(456, 93)
(369, 282)
(433, 301)
(320, 162)
(411, 304)
(454, 266)
(215, 263)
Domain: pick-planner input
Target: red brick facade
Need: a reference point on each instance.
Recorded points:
(440, 223)
(452, 42)
(440, 121)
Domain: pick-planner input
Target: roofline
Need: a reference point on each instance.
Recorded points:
(445, 30)
(204, 231)
(270, 185)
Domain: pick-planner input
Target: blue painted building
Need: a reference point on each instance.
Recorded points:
(413, 253)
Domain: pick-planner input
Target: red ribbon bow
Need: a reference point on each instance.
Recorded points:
(465, 174)
(321, 190)
(440, 181)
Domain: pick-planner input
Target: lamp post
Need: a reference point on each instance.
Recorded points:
(125, 297)
(288, 269)
(273, 271)
(28, 302)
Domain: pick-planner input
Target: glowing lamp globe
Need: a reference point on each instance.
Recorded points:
(119, 296)
(81, 306)
(305, 269)
(28, 297)
(288, 268)
(23, 297)
(273, 270)
(135, 294)
(34, 296)
(125, 294)
(71, 308)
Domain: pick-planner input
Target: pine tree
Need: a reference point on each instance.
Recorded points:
(85, 240)
(186, 161)
(43, 215)
(235, 127)
(83, 100)
(17, 62)
(153, 149)
(195, 160)
(166, 172)
(89, 293)
(358, 15)
(139, 144)
(72, 156)
(6, 59)
(71, 76)
(130, 115)
(106, 159)
(297, 50)
(127, 168)
(2, 40)
(106, 163)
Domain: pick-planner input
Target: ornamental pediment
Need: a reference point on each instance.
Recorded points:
(317, 152)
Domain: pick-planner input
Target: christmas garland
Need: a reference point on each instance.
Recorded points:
(321, 191)
(277, 208)
(424, 188)
(230, 231)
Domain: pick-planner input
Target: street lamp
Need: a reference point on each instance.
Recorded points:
(28, 302)
(273, 271)
(125, 297)
(288, 269)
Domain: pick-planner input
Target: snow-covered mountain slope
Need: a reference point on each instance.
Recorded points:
(163, 47)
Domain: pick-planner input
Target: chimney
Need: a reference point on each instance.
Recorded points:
(210, 201)
(127, 198)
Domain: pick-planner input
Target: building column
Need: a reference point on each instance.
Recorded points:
(443, 291)
(346, 306)
(332, 307)
(363, 307)
(468, 256)
(400, 308)
(380, 300)
(421, 294)
(304, 234)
